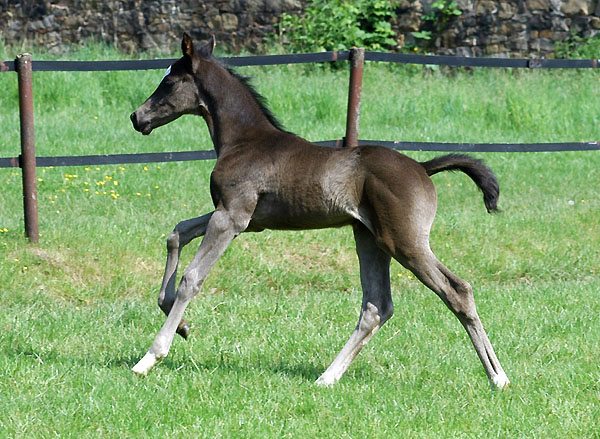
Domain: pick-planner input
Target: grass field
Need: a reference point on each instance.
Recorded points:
(79, 309)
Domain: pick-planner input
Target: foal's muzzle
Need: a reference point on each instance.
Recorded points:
(144, 128)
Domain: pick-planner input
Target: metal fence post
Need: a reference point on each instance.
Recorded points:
(357, 62)
(27, 158)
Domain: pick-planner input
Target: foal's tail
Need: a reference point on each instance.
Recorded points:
(483, 176)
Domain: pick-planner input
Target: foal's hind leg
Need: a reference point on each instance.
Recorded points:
(377, 304)
(183, 234)
(458, 296)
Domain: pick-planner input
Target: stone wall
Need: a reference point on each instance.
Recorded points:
(514, 28)
(485, 28)
(141, 25)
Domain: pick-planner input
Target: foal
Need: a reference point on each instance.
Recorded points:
(265, 177)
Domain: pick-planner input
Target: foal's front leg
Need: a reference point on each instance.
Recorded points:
(220, 232)
(182, 235)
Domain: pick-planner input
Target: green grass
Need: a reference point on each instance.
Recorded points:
(79, 309)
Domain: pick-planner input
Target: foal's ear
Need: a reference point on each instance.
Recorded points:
(187, 45)
(207, 50)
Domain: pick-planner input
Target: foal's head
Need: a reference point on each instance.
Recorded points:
(177, 94)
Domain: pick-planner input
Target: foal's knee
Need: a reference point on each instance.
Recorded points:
(173, 241)
(370, 318)
(189, 286)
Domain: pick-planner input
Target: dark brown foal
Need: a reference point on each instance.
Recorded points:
(266, 177)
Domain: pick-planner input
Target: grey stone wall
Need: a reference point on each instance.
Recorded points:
(141, 25)
(516, 28)
(485, 28)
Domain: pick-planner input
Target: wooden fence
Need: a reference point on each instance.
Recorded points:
(28, 162)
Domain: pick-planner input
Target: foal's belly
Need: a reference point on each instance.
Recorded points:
(274, 213)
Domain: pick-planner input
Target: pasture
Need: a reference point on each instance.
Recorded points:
(79, 309)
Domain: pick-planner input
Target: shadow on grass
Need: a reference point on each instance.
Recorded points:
(186, 364)
(226, 365)
(241, 366)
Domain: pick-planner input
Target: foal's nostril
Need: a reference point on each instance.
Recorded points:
(133, 118)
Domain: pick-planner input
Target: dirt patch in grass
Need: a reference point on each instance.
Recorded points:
(83, 278)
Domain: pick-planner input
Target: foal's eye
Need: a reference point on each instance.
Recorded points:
(169, 82)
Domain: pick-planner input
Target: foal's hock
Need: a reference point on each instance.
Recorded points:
(266, 177)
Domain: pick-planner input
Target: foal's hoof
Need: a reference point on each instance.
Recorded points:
(500, 381)
(183, 329)
(325, 381)
(145, 364)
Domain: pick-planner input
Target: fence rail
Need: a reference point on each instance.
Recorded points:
(28, 160)
(304, 58)
(186, 156)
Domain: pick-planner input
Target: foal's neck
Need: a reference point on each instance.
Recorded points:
(236, 117)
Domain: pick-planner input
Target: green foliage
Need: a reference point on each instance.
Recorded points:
(442, 10)
(437, 20)
(339, 25)
(575, 46)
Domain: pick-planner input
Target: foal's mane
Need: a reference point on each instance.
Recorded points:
(260, 99)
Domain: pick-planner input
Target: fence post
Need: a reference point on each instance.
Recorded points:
(357, 62)
(27, 158)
